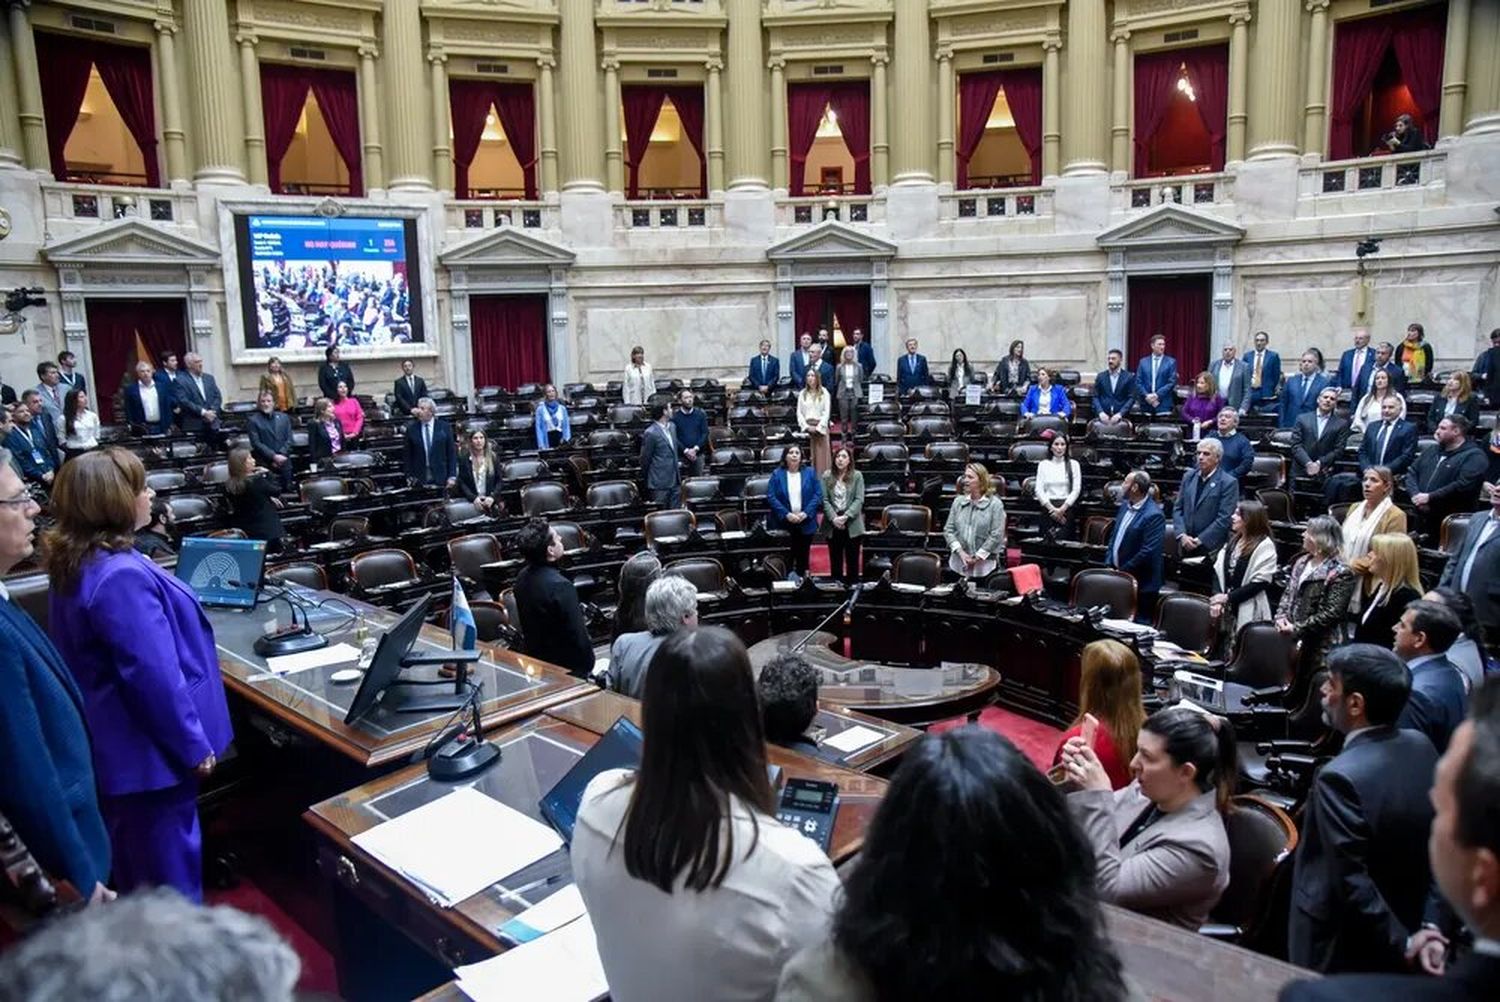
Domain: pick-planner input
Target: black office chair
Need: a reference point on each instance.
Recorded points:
(918, 567)
(678, 522)
(1105, 586)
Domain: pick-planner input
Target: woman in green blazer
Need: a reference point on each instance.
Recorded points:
(844, 515)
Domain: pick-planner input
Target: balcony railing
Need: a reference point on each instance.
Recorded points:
(669, 214)
(1187, 189)
(996, 203)
(1374, 175)
(846, 208)
(103, 203)
(489, 214)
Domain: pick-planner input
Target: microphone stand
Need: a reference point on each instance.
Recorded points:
(846, 605)
(293, 639)
(459, 754)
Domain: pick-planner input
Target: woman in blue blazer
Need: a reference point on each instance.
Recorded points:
(142, 652)
(795, 495)
(1046, 398)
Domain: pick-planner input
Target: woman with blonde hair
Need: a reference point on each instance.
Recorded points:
(1397, 583)
(1366, 519)
(814, 407)
(253, 500)
(1457, 398)
(1244, 570)
(1110, 712)
(975, 529)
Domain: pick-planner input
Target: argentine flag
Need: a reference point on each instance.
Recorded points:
(465, 630)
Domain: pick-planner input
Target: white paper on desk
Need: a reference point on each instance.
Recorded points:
(853, 739)
(1126, 625)
(338, 654)
(562, 966)
(458, 845)
(557, 910)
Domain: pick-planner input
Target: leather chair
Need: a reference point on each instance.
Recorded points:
(574, 537)
(1162, 433)
(914, 518)
(729, 520)
(891, 431)
(1098, 430)
(886, 452)
(1263, 657)
(607, 438)
(228, 534)
(931, 408)
(355, 460)
(348, 527)
(1038, 423)
(923, 393)
(1278, 504)
(190, 506)
(706, 574)
(1105, 586)
(1451, 534)
(612, 494)
(314, 488)
(491, 625)
(517, 470)
(375, 568)
(772, 454)
(1097, 529)
(582, 422)
(1265, 471)
(459, 510)
(518, 424)
(1286, 437)
(1183, 619)
(673, 522)
(467, 555)
(733, 454)
(931, 427)
(1113, 493)
(543, 498)
(1262, 838)
(1029, 452)
(165, 480)
(886, 408)
(215, 473)
(626, 414)
(700, 490)
(948, 452)
(756, 487)
(917, 567)
(302, 572)
(186, 450)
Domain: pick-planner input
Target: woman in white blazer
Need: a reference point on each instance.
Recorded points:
(1367, 411)
(814, 407)
(638, 383)
(1243, 570)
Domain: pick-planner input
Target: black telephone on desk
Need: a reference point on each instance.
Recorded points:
(810, 807)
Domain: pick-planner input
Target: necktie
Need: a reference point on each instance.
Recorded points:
(427, 441)
(1255, 379)
(411, 383)
(1359, 363)
(1385, 440)
(1484, 535)
(1155, 364)
(1306, 386)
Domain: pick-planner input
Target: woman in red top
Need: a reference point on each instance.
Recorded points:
(1109, 706)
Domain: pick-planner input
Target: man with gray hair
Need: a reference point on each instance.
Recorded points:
(199, 401)
(431, 455)
(152, 945)
(1205, 504)
(671, 604)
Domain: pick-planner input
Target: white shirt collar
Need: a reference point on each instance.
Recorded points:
(4, 592)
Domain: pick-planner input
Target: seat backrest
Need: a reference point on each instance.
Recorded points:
(608, 438)
(1268, 471)
(729, 520)
(733, 454)
(772, 453)
(932, 427)
(1029, 452)
(1097, 529)
(321, 487)
(1278, 504)
(165, 480)
(1107, 429)
(32, 593)
(1038, 423)
(572, 536)
(348, 527)
(886, 452)
(1104, 586)
(672, 522)
(543, 498)
(756, 487)
(355, 460)
(228, 534)
(382, 567)
(1183, 618)
(700, 489)
(886, 408)
(190, 506)
(890, 430)
(1263, 657)
(523, 469)
(1260, 836)
(907, 518)
(302, 572)
(952, 452)
(612, 494)
(489, 620)
(626, 414)
(1162, 433)
(460, 510)
(706, 573)
(917, 567)
(931, 408)
(1454, 528)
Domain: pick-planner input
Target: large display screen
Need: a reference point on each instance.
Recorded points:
(308, 282)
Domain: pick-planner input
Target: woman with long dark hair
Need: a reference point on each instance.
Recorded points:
(1243, 570)
(1058, 485)
(795, 496)
(636, 575)
(325, 436)
(253, 499)
(695, 890)
(844, 515)
(960, 375)
(479, 474)
(78, 428)
(1013, 374)
(350, 412)
(973, 883)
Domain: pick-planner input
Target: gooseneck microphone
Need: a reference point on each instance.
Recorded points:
(293, 638)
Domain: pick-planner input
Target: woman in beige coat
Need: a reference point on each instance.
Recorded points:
(975, 529)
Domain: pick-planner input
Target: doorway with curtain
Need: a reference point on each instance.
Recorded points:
(120, 331)
(509, 336)
(840, 308)
(1180, 307)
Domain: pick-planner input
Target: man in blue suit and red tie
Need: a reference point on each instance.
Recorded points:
(1156, 378)
(1300, 394)
(765, 369)
(911, 370)
(1135, 545)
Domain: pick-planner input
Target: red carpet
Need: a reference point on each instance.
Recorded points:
(318, 975)
(1037, 741)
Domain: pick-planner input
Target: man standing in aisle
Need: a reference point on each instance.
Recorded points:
(1265, 373)
(691, 426)
(271, 439)
(1114, 390)
(1205, 504)
(1156, 379)
(408, 390)
(199, 401)
(431, 456)
(659, 458)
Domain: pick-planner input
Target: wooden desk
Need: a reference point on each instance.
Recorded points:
(379, 914)
(309, 703)
(598, 711)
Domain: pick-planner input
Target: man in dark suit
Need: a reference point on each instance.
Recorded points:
(552, 624)
(1239, 454)
(765, 369)
(1445, 479)
(1423, 635)
(199, 401)
(1265, 374)
(1391, 443)
(271, 439)
(7, 394)
(34, 452)
(1319, 437)
(1114, 389)
(801, 359)
(911, 370)
(864, 353)
(147, 405)
(1356, 365)
(166, 381)
(823, 367)
(1156, 379)
(1300, 394)
(1463, 850)
(1475, 568)
(1361, 885)
(1205, 504)
(1232, 378)
(1486, 375)
(334, 371)
(431, 456)
(68, 375)
(43, 430)
(1385, 358)
(1135, 545)
(408, 390)
(659, 458)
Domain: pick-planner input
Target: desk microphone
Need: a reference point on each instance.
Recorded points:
(294, 638)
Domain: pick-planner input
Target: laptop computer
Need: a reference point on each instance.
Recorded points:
(224, 573)
(618, 748)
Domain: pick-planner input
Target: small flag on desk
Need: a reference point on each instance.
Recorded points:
(465, 630)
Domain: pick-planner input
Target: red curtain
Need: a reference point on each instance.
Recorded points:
(976, 98)
(810, 308)
(64, 63)
(805, 104)
(283, 93)
(1419, 41)
(113, 325)
(338, 99)
(469, 103)
(509, 335)
(1358, 48)
(126, 72)
(642, 108)
(1023, 93)
(689, 104)
(851, 105)
(1208, 73)
(851, 305)
(515, 105)
(1179, 307)
(1156, 76)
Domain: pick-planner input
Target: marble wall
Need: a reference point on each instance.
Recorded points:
(1057, 323)
(683, 336)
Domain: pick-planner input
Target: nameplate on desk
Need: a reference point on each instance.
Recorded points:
(877, 393)
(972, 394)
(734, 534)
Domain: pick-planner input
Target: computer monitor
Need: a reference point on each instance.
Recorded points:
(222, 572)
(385, 669)
(618, 748)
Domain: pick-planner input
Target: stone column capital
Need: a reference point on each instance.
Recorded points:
(546, 63)
(610, 65)
(713, 65)
(1118, 35)
(778, 63)
(945, 53)
(246, 39)
(437, 57)
(19, 4)
(164, 26)
(369, 51)
(1241, 15)
(1312, 7)
(1052, 42)
(880, 60)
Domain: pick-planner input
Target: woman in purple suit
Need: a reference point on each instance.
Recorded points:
(142, 652)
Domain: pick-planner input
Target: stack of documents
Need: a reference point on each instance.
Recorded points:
(852, 739)
(562, 966)
(458, 845)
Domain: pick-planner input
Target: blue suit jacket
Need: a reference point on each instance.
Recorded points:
(32, 467)
(1205, 514)
(440, 464)
(1139, 551)
(1270, 376)
(1437, 703)
(1344, 379)
(1118, 402)
(911, 373)
(1296, 402)
(1165, 386)
(772, 373)
(866, 355)
(797, 368)
(779, 498)
(1058, 395)
(135, 411)
(1399, 454)
(143, 654)
(47, 787)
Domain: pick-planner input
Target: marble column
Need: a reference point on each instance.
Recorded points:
(1083, 129)
(547, 115)
(779, 161)
(217, 109)
(1051, 106)
(1120, 159)
(911, 146)
(10, 110)
(1239, 86)
(947, 97)
(409, 163)
(1455, 66)
(1315, 111)
(442, 145)
(714, 141)
(614, 155)
(174, 140)
(580, 152)
(1273, 81)
(369, 118)
(28, 88)
(880, 127)
(1483, 104)
(744, 69)
(255, 122)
